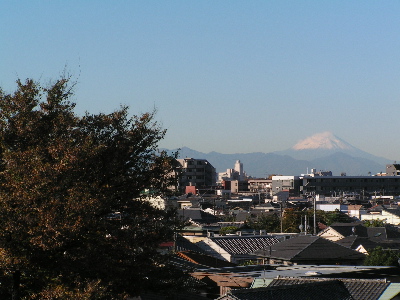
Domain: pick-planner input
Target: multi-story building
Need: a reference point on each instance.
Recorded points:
(393, 170)
(256, 185)
(197, 173)
(286, 183)
(323, 183)
(236, 173)
(362, 185)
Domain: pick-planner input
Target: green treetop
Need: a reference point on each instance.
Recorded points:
(62, 178)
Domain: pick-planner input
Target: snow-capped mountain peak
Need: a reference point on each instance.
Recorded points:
(324, 140)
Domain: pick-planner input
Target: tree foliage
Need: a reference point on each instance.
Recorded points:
(228, 229)
(72, 225)
(293, 218)
(375, 223)
(267, 222)
(382, 257)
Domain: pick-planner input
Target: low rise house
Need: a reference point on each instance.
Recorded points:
(338, 231)
(391, 215)
(328, 290)
(310, 250)
(365, 244)
(354, 211)
(358, 289)
(237, 249)
(258, 276)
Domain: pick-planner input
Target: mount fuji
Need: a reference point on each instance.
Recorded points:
(325, 144)
(322, 151)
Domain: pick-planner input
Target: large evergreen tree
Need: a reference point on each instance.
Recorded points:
(72, 225)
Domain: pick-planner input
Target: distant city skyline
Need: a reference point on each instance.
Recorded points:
(224, 76)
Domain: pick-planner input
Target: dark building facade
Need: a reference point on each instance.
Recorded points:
(362, 185)
(195, 172)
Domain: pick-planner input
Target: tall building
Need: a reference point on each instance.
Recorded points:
(236, 173)
(196, 174)
(239, 169)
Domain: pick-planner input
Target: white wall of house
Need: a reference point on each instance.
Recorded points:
(384, 215)
(330, 234)
(355, 211)
(332, 207)
(213, 249)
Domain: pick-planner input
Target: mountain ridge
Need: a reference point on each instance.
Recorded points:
(334, 155)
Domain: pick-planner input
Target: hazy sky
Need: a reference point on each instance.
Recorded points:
(225, 76)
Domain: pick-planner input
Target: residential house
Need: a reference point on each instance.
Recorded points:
(338, 231)
(256, 276)
(236, 249)
(359, 289)
(310, 250)
(354, 211)
(325, 290)
(365, 244)
(391, 215)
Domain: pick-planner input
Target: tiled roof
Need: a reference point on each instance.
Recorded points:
(242, 216)
(360, 289)
(354, 242)
(204, 260)
(183, 264)
(350, 229)
(370, 243)
(243, 244)
(183, 244)
(198, 216)
(356, 229)
(394, 211)
(311, 248)
(328, 290)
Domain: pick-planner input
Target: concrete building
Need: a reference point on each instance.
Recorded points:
(286, 183)
(387, 214)
(361, 185)
(393, 170)
(239, 170)
(256, 185)
(195, 172)
(236, 173)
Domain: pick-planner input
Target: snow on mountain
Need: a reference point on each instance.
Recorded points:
(325, 144)
(323, 151)
(324, 140)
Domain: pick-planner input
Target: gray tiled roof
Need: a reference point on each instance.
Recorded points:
(183, 244)
(311, 248)
(360, 289)
(357, 229)
(394, 211)
(354, 241)
(198, 216)
(204, 260)
(369, 243)
(328, 290)
(243, 244)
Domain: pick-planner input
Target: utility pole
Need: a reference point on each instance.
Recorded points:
(315, 219)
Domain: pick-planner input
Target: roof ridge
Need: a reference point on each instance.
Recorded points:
(184, 256)
(383, 280)
(304, 248)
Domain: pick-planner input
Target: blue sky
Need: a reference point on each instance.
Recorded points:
(225, 76)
